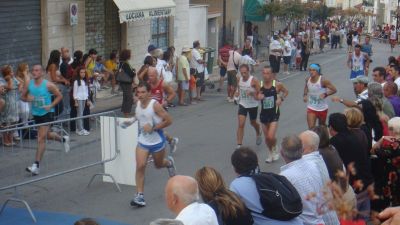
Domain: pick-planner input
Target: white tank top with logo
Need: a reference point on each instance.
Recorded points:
(245, 99)
(148, 116)
(357, 62)
(315, 102)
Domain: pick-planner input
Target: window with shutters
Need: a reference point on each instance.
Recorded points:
(160, 32)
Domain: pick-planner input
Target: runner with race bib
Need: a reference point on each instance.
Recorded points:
(272, 94)
(315, 92)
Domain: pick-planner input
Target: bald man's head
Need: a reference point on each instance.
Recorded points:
(152, 74)
(180, 192)
(310, 141)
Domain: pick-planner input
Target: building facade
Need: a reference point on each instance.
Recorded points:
(102, 25)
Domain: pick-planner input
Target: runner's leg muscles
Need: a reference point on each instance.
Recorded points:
(141, 161)
(159, 159)
(240, 130)
(311, 120)
(42, 133)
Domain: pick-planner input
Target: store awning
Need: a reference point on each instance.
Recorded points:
(133, 10)
(252, 10)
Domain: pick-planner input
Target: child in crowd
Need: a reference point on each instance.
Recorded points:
(298, 56)
(81, 98)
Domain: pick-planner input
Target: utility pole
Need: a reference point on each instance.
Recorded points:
(224, 22)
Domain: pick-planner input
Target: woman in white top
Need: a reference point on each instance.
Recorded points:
(81, 98)
(315, 92)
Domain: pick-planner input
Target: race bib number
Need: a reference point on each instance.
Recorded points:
(314, 100)
(268, 102)
(243, 95)
(356, 68)
(38, 102)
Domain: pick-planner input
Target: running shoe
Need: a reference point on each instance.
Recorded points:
(275, 153)
(66, 143)
(34, 169)
(172, 144)
(138, 200)
(269, 158)
(171, 168)
(150, 159)
(259, 140)
(85, 132)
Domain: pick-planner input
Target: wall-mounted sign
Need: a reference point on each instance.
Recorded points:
(73, 14)
(145, 14)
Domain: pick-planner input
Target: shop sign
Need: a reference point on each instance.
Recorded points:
(145, 14)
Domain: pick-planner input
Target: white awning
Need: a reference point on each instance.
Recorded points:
(133, 10)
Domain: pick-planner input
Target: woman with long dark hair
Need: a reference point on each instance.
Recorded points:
(54, 75)
(228, 207)
(73, 72)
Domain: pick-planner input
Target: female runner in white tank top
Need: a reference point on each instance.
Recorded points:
(316, 90)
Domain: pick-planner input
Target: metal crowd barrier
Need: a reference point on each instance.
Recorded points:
(56, 162)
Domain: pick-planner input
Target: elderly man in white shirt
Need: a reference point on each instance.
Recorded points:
(197, 63)
(310, 143)
(305, 177)
(182, 196)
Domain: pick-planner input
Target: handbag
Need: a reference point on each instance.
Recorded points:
(123, 77)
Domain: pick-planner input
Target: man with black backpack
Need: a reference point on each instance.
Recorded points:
(305, 177)
(270, 197)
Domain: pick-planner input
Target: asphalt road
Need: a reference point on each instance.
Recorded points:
(207, 137)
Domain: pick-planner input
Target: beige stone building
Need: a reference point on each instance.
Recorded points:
(33, 28)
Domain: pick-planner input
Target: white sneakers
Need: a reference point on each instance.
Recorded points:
(66, 143)
(272, 155)
(83, 132)
(34, 169)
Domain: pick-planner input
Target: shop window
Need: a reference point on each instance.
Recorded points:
(159, 32)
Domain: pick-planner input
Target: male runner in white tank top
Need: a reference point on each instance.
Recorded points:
(152, 118)
(247, 92)
(316, 90)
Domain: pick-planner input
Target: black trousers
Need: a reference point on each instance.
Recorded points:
(304, 61)
(275, 63)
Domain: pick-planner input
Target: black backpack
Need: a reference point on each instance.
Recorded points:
(279, 198)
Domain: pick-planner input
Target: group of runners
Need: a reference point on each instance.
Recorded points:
(249, 93)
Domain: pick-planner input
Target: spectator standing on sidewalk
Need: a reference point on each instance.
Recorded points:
(142, 73)
(73, 72)
(223, 58)
(81, 98)
(275, 54)
(66, 60)
(256, 42)
(197, 63)
(183, 74)
(55, 76)
(247, 49)
(287, 54)
(23, 79)
(305, 52)
(112, 65)
(9, 115)
(127, 87)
